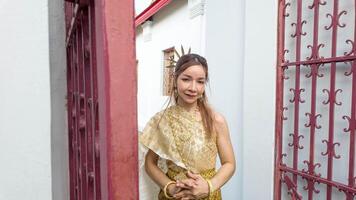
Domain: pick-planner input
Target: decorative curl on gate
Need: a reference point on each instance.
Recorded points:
(312, 121)
(314, 71)
(352, 49)
(311, 168)
(322, 3)
(332, 97)
(351, 69)
(285, 14)
(351, 123)
(300, 32)
(315, 51)
(297, 95)
(284, 77)
(296, 141)
(335, 21)
(330, 149)
(284, 56)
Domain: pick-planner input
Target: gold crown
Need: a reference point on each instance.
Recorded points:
(172, 62)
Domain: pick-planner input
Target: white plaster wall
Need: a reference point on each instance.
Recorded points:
(141, 5)
(25, 115)
(170, 27)
(259, 99)
(225, 55)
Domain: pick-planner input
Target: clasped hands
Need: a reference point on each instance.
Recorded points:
(194, 187)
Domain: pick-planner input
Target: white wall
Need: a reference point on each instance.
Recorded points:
(25, 118)
(259, 98)
(141, 5)
(225, 55)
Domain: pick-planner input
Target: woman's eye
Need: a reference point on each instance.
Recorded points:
(201, 82)
(185, 79)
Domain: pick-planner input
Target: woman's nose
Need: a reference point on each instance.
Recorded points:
(193, 86)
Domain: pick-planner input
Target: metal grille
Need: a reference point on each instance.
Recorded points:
(316, 99)
(82, 97)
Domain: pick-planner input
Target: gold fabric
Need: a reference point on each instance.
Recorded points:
(179, 137)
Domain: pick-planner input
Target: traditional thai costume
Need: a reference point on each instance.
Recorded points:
(177, 136)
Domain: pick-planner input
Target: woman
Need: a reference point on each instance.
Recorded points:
(189, 135)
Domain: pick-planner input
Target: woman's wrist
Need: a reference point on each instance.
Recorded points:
(211, 187)
(168, 188)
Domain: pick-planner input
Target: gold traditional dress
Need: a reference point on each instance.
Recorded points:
(177, 136)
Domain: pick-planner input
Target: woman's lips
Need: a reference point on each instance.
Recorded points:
(191, 96)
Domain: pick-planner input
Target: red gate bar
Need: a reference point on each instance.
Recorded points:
(320, 180)
(352, 119)
(279, 99)
(312, 115)
(330, 152)
(297, 91)
(321, 60)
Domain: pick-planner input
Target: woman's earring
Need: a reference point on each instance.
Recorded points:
(175, 92)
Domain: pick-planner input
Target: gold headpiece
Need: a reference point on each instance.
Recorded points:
(172, 62)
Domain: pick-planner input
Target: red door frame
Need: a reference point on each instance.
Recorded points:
(117, 86)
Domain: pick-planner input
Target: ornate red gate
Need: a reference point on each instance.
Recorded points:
(316, 100)
(84, 156)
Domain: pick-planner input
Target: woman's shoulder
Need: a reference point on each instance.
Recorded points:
(218, 118)
(160, 113)
(219, 121)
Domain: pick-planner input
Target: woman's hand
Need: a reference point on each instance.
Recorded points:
(173, 189)
(194, 187)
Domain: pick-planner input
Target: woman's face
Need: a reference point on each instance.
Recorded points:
(191, 84)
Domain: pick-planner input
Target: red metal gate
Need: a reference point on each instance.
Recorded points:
(316, 99)
(84, 156)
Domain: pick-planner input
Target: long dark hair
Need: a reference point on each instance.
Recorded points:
(183, 63)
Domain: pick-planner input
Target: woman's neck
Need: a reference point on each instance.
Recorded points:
(187, 106)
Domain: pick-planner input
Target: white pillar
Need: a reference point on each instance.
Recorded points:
(259, 99)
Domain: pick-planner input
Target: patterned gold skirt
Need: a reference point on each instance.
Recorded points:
(179, 173)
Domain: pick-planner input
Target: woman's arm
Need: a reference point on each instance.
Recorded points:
(226, 153)
(157, 174)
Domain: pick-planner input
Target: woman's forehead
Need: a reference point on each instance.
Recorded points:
(196, 70)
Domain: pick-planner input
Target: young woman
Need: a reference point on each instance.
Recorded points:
(189, 135)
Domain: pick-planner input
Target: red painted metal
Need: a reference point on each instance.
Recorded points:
(290, 174)
(102, 112)
(82, 103)
(150, 11)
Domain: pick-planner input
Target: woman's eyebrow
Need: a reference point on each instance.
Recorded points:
(186, 75)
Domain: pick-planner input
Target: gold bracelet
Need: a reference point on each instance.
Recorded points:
(165, 189)
(211, 189)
